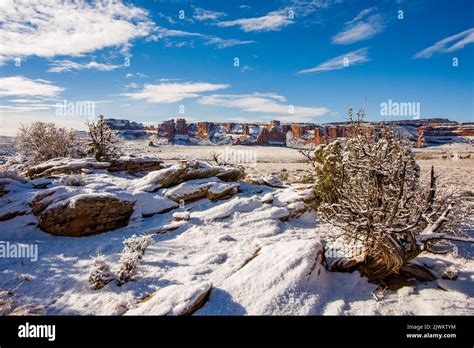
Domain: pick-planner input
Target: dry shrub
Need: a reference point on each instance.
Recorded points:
(104, 143)
(370, 188)
(43, 141)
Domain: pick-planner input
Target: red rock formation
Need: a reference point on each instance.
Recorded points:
(318, 137)
(166, 129)
(203, 130)
(271, 136)
(332, 133)
(420, 138)
(228, 126)
(181, 126)
(297, 131)
(274, 123)
(247, 130)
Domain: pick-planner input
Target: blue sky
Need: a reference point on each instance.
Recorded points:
(299, 61)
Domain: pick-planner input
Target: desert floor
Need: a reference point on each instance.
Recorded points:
(454, 163)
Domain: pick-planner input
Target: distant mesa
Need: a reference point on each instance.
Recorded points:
(130, 130)
(424, 132)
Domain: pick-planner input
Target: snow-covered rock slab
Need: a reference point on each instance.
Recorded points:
(174, 300)
(136, 164)
(64, 165)
(148, 204)
(189, 191)
(211, 188)
(272, 181)
(221, 211)
(220, 190)
(268, 284)
(14, 201)
(185, 171)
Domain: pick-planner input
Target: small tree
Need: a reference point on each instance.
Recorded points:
(370, 188)
(104, 143)
(100, 274)
(43, 141)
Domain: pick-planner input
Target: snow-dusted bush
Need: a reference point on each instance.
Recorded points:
(127, 266)
(73, 180)
(100, 274)
(137, 244)
(371, 189)
(43, 141)
(134, 248)
(328, 171)
(104, 143)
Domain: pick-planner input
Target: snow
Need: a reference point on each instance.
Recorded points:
(189, 188)
(148, 182)
(219, 188)
(173, 300)
(181, 215)
(70, 163)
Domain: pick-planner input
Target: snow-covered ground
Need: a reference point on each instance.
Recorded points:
(253, 257)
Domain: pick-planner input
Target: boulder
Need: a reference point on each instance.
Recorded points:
(197, 189)
(267, 198)
(222, 190)
(185, 171)
(297, 209)
(189, 191)
(155, 180)
(181, 216)
(136, 164)
(85, 214)
(64, 165)
(40, 203)
(272, 181)
(279, 213)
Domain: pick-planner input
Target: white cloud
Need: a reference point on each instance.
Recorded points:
(168, 18)
(449, 44)
(269, 103)
(27, 108)
(22, 86)
(204, 15)
(272, 21)
(132, 85)
(138, 74)
(162, 33)
(362, 14)
(68, 65)
(165, 93)
(360, 28)
(39, 28)
(352, 58)
(224, 43)
(23, 101)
